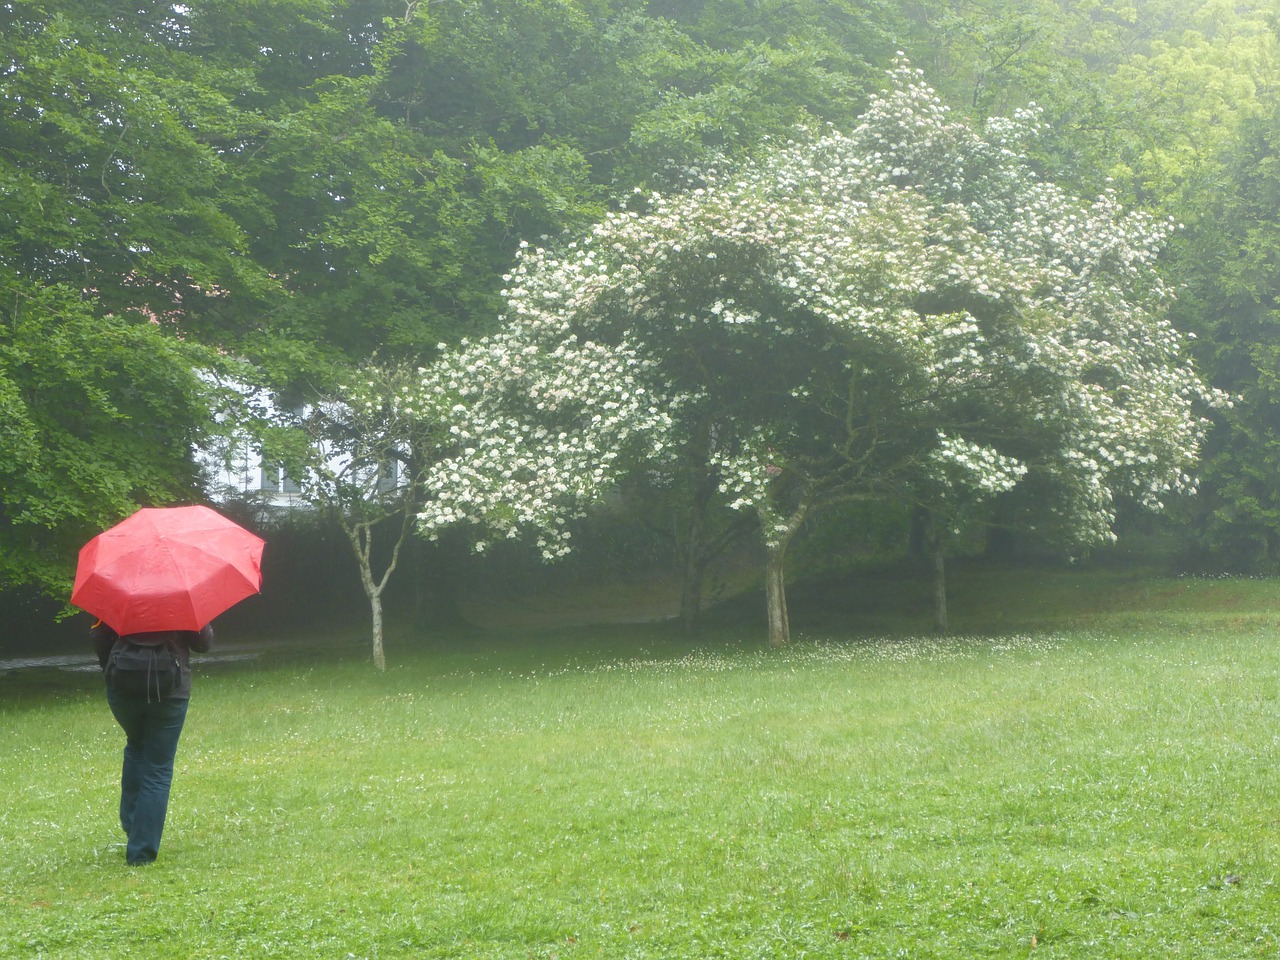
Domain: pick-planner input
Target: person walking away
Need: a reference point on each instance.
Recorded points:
(152, 721)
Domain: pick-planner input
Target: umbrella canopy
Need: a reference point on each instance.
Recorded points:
(167, 568)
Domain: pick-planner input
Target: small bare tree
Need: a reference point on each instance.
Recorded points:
(362, 458)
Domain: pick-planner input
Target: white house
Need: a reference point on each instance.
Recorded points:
(244, 474)
(238, 471)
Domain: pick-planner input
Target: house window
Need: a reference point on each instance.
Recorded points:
(288, 484)
(270, 479)
(387, 475)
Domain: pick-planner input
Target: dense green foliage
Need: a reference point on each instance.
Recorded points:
(303, 183)
(1146, 93)
(1229, 259)
(96, 415)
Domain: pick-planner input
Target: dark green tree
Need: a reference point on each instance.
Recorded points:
(113, 160)
(1138, 93)
(1229, 259)
(97, 415)
(395, 188)
(118, 216)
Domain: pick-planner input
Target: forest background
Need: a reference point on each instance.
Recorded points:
(301, 185)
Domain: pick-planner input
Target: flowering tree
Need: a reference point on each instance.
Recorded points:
(538, 431)
(901, 312)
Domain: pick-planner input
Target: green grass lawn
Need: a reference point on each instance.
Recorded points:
(1106, 789)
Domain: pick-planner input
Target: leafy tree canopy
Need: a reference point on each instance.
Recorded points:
(1143, 93)
(97, 414)
(1229, 259)
(905, 311)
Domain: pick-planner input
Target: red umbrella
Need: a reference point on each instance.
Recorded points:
(167, 568)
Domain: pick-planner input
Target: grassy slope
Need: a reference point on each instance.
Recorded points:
(1106, 789)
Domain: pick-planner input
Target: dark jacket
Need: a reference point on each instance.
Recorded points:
(104, 638)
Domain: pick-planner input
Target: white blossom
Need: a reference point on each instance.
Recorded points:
(903, 308)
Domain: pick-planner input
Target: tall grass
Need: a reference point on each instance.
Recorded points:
(1091, 793)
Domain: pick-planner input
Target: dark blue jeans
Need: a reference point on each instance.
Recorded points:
(151, 741)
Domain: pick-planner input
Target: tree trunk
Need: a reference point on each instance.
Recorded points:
(938, 551)
(701, 549)
(360, 535)
(918, 532)
(778, 534)
(375, 612)
(940, 623)
(691, 594)
(775, 589)
(695, 562)
(373, 591)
